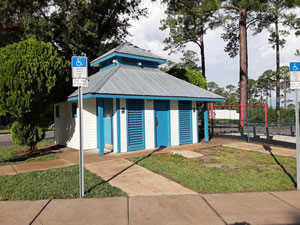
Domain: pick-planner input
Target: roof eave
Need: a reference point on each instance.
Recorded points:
(97, 95)
(114, 54)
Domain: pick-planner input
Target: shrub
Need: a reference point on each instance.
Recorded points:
(25, 134)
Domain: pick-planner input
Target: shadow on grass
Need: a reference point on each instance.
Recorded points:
(269, 149)
(122, 171)
(23, 156)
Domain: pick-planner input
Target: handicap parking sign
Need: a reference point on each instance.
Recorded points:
(79, 67)
(79, 61)
(295, 66)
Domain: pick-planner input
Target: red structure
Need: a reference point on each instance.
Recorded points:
(242, 108)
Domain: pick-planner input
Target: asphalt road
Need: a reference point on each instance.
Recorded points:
(5, 139)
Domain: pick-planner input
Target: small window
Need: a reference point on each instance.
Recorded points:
(57, 111)
(74, 109)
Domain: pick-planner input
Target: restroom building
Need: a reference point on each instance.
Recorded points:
(131, 105)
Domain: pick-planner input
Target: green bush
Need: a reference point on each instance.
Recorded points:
(25, 134)
(33, 76)
(191, 76)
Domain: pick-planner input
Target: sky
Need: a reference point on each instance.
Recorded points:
(220, 68)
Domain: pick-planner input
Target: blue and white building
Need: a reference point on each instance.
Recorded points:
(131, 105)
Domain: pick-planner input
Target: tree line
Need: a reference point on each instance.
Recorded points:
(260, 90)
(189, 21)
(37, 40)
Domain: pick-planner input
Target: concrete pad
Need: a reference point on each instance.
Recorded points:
(110, 168)
(188, 154)
(7, 170)
(253, 208)
(291, 197)
(136, 180)
(20, 212)
(43, 165)
(171, 210)
(108, 211)
(260, 148)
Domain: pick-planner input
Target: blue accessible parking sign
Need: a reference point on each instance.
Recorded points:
(79, 67)
(79, 61)
(295, 66)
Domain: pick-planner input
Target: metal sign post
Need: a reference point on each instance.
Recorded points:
(295, 84)
(79, 74)
(297, 139)
(81, 169)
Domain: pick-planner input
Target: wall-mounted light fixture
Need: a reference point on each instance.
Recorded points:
(194, 109)
(122, 110)
(139, 64)
(115, 61)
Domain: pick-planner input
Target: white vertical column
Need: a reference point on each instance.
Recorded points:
(194, 119)
(123, 125)
(174, 118)
(149, 124)
(115, 127)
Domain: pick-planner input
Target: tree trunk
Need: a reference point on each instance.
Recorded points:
(33, 148)
(277, 73)
(284, 100)
(202, 55)
(243, 59)
(271, 99)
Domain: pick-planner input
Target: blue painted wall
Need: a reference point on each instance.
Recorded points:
(100, 135)
(206, 132)
(185, 122)
(135, 124)
(118, 126)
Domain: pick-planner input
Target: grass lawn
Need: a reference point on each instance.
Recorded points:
(8, 154)
(5, 131)
(54, 184)
(225, 169)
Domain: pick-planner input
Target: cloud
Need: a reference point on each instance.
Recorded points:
(220, 67)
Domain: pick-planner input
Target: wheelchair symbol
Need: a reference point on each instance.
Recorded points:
(295, 68)
(79, 63)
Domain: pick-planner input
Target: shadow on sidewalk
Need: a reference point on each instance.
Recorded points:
(269, 149)
(240, 223)
(122, 171)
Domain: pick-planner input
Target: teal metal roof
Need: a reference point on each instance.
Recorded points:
(137, 81)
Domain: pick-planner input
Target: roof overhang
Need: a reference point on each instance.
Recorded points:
(99, 60)
(146, 97)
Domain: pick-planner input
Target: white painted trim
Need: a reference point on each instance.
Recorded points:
(123, 125)
(194, 121)
(115, 130)
(149, 124)
(174, 122)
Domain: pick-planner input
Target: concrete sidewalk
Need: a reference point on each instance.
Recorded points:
(238, 208)
(35, 166)
(134, 179)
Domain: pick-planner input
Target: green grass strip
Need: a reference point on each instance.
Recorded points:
(59, 183)
(226, 170)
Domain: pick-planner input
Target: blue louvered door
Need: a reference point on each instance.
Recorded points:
(185, 122)
(135, 124)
